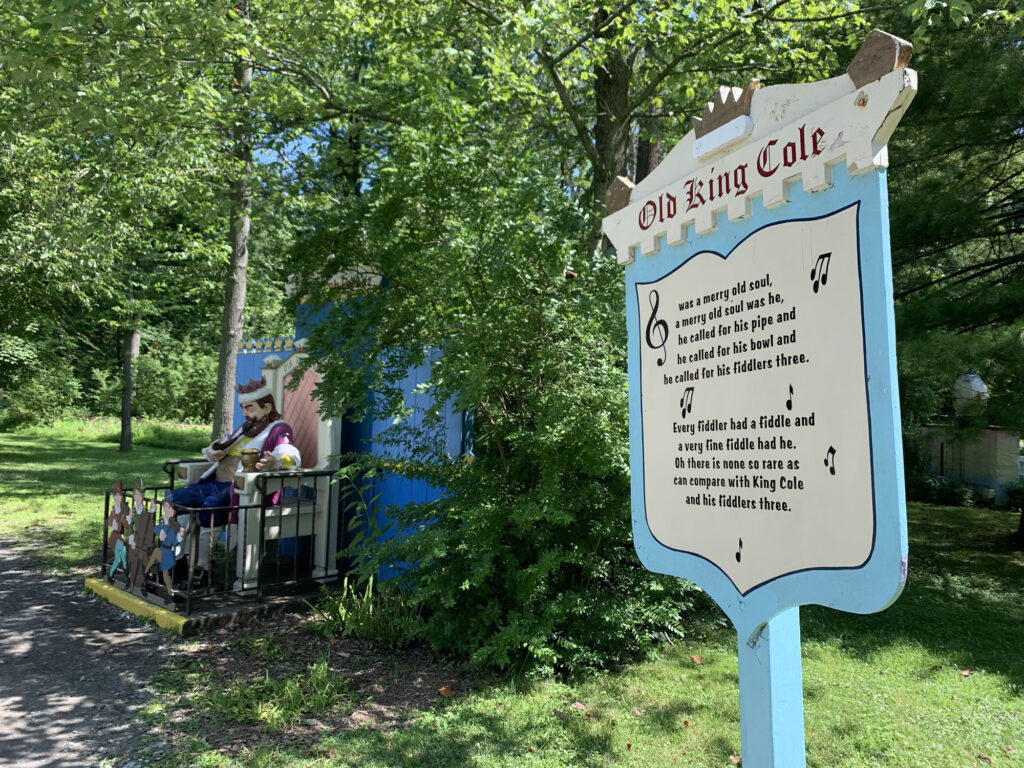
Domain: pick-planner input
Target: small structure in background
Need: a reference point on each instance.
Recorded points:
(987, 459)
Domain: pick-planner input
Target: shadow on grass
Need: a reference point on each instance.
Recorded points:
(52, 492)
(477, 738)
(963, 598)
(33, 465)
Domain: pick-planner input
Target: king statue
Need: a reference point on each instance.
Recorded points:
(212, 497)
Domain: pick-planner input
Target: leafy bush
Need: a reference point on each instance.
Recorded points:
(1015, 495)
(103, 395)
(941, 490)
(35, 382)
(526, 562)
(176, 380)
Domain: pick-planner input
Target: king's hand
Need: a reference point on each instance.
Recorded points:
(213, 455)
(267, 463)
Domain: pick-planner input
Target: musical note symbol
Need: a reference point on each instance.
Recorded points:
(830, 455)
(657, 330)
(686, 401)
(821, 270)
(789, 403)
(739, 552)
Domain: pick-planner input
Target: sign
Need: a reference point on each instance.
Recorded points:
(764, 421)
(762, 469)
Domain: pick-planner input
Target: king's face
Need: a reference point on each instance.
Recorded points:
(255, 411)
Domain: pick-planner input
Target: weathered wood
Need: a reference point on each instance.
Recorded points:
(729, 104)
(878, 55)
(771, 694)
(618, 194)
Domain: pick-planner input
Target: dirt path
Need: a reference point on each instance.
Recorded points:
(73, 671)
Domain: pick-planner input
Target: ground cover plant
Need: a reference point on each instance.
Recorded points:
(935, 681)
(53, 478)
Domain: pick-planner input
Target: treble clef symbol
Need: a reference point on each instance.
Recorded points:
(657, 330)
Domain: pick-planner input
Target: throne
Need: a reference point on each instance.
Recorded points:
(284, 516)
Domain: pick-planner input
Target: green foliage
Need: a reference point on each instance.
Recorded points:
(957, 188)
(113, 179)
(941, 490)
(470, 209)
(1015, 496)
(527, 560)
(176, 380)
(36, 382)
(278, 703)
(382, 615)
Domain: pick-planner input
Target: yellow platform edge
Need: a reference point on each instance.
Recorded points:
(163, 618)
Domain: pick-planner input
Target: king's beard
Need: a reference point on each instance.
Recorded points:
(253, 428)
(250, 428)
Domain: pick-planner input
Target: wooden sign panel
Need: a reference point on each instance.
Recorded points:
(764, 422)
(755, 354)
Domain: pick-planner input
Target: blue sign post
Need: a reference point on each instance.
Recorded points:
(764, 418)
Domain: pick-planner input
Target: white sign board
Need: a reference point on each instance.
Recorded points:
(765, 439)
(762, 466)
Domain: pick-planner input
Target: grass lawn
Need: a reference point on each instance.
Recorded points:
(53, 480)
(936, 681)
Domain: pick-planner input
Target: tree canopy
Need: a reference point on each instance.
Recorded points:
(432, 173)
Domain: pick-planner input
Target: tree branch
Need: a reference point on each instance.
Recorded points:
(582, 132)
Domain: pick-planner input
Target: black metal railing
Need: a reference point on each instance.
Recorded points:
(293, 545)
(290, 504)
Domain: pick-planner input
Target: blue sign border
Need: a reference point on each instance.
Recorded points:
(879, 580)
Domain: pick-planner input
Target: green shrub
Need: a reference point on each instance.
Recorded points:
(41, 390)
(104, 392)
(1015, 495)
(176, 381)
(526, 562)
(942, 490)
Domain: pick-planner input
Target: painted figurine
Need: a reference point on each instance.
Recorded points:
(140, 543)
(212, 496)
(167, 534)
(118, 522)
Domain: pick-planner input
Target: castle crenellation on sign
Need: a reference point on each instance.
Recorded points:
(840, 122)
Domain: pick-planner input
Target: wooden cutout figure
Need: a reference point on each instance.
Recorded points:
(118, 523)
(141, 543)
(168, 533)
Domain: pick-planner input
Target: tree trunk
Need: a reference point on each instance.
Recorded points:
(611, 128)
(130, 354)
(648, 149)
(233, 316)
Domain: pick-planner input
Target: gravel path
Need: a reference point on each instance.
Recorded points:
(73, 671)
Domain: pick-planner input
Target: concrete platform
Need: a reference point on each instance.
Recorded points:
(210, 612)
